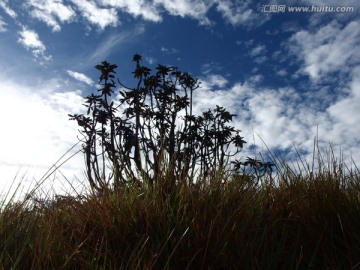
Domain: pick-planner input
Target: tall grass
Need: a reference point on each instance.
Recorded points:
(302, 219)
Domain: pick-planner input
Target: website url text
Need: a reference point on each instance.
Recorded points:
(308, 9)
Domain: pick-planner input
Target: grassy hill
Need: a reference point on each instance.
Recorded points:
(308, 220)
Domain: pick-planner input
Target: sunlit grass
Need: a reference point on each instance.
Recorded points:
(301, 219)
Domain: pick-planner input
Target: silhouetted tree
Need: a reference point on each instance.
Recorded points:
(149, 131)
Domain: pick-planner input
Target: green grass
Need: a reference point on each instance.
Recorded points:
(307, 220)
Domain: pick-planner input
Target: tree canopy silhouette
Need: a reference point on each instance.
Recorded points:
(149, 132)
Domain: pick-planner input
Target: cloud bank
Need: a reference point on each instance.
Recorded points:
(107, 13)
(52, 13)
(331, 48)
(36, 131)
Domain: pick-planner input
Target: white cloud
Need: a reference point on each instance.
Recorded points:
(196, 9)
(213, 80)
(36, 131)
(143, 8)
(282, 72)
(261, 110)
(80, 77)
(345, 114)
(51, 12)
(101, 17)
(275, 117)
(239, 12)
(329, 49)
(31, 41)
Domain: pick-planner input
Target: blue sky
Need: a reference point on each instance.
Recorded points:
(289, 76)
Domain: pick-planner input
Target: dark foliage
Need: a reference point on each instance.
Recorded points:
(150, 130)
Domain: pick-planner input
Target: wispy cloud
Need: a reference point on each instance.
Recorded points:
(113, 41)
(8, 11)
(169, 51)
(31, 41)
(80, 77)
(2, 25)
(259, 49)
(151, 60)
(212, 67)
(258, 53)
(53, 13)
(240, 13)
